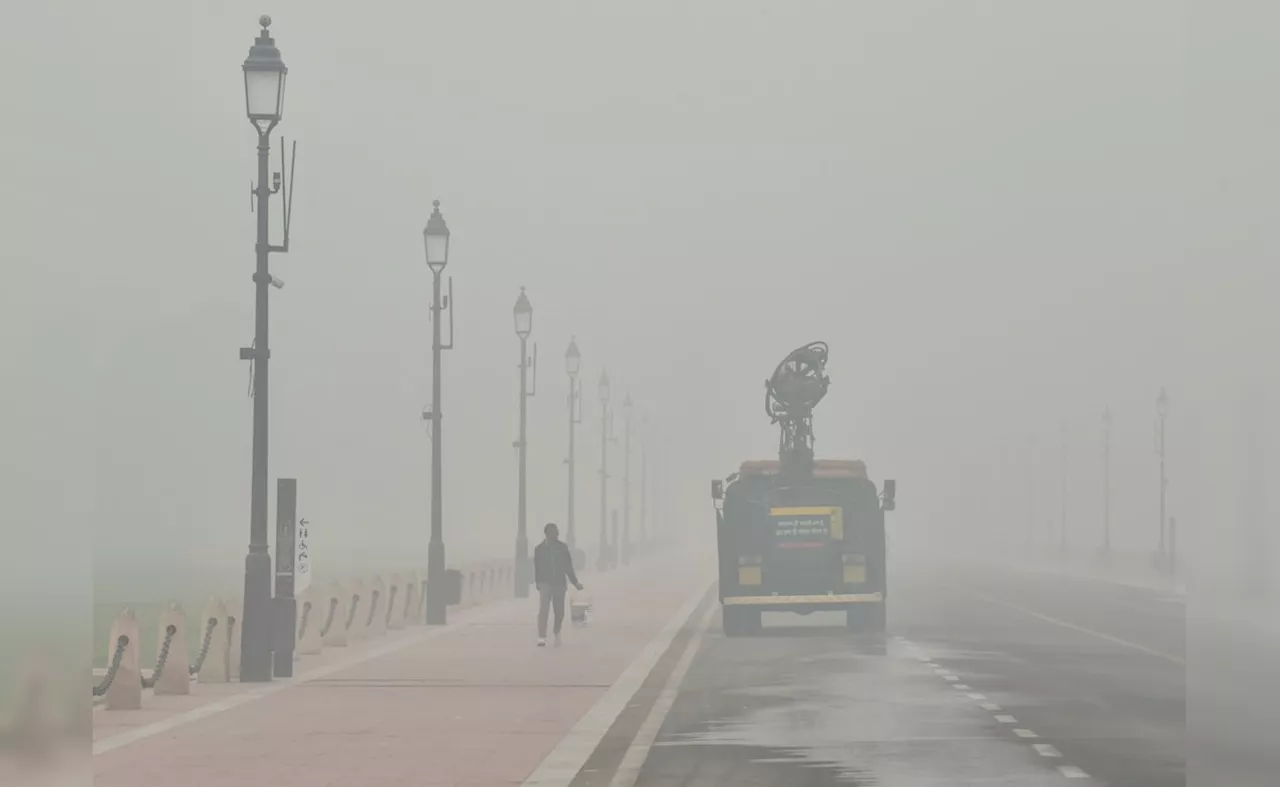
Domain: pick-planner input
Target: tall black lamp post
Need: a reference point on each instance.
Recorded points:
(1106, 483)
(1162, 411)
(645, 535)
(572, 365)
(264, 78)
(435, 237)
(628, 409)
(523, 314)
(605, 439)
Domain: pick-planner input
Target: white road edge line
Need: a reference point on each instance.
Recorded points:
(123, 739)
(634, 758)
(559, 768)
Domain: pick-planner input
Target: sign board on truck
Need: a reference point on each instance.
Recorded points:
(806, 527)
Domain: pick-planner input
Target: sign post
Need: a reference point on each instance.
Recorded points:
(286, 605)
(302, 564)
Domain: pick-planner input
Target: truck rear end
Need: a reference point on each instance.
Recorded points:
(802, 545)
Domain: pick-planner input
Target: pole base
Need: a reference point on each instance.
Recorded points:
(437, 592)
(255, 629)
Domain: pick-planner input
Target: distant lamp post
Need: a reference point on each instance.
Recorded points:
(264, 77)
(435, 239)
(1062, 532)
(572, 366)
(645, 536)
(1162, 411)
(628, 410)
(522, 314)
(1106, 483)
(605, 438)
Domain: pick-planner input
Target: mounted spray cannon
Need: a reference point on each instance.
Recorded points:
(799, 534)
(796, 387)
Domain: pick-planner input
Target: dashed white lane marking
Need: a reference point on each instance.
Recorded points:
(1043, 749)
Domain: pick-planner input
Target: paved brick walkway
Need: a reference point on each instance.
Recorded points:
(474, 703)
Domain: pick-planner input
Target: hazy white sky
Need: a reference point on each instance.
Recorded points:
(1001, 215)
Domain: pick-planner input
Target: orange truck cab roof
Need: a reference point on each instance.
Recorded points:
(822, 468)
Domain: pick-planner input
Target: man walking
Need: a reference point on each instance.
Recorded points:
(553, 573)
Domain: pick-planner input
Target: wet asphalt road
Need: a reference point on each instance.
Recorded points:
(985, 678)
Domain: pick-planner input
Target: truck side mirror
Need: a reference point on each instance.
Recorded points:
(717, 489)
(890, 493)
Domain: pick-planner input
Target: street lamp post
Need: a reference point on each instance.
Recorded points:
(1062, 534)
(605, 438)
(628, 409)
(264, 78)
(523, 314)
(435, 238)
(572, 365)
(1106, 483)
(1031, 494)
(644, 468)
(1162, 410)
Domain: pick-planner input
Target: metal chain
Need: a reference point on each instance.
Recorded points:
(150, 683)
(328, 623)
(373, 608)
(355, 603)
(209, 626)
(102, 688)
(306, 617)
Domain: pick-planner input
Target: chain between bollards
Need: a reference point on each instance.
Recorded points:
(149, 683)
(102, 688)
(209, 626)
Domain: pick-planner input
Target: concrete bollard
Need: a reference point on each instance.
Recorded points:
(125, 692)
(395, 602)
(313, 608)
(357, 609)
(235, 617)
(375, 624)
(333, 620)
(412, 599)
(176, 677)
(217, 661)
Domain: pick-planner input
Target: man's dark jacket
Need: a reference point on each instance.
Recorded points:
(553, 565)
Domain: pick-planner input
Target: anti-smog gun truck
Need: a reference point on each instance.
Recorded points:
(797, 534)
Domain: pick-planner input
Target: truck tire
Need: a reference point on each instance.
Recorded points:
(740, 622)
(854, 617)
(731, 620)
(866, 618)
(878, 617)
